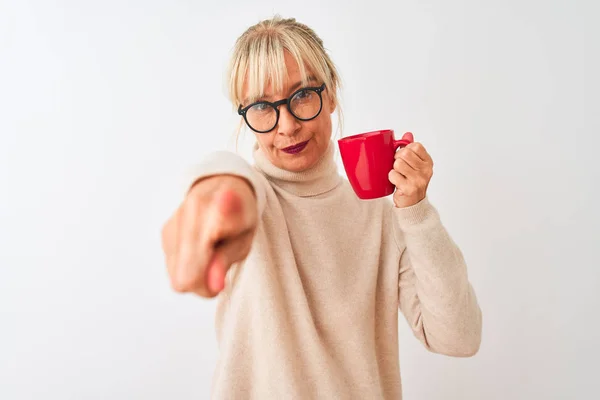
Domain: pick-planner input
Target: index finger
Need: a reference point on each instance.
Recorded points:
(419, 150)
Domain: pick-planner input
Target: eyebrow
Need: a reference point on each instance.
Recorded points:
(298, 84)
(291, 90)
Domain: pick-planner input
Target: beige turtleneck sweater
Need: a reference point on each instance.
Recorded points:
(313, 311)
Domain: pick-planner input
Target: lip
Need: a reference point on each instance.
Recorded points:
(295, 149)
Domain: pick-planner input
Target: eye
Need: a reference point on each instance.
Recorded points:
(261, 107)
(304, 94)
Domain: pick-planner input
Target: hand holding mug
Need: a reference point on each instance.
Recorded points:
(413, 169)
(376, 168)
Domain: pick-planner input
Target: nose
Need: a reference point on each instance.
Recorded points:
(288, 125)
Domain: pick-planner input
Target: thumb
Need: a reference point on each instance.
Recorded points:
(408, 136)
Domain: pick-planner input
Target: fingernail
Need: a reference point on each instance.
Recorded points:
(408, 136)
(216, 277)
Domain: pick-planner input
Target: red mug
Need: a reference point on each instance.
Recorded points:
(368, 158)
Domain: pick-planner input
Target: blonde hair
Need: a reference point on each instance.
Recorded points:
(258, 59)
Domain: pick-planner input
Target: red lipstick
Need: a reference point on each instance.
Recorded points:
(295, 149)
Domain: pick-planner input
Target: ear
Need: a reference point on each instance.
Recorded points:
(331, 103)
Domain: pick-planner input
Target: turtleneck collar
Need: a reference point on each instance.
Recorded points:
(320, 178)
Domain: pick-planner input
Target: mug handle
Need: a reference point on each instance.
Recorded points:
(404, 142)
(401, 143)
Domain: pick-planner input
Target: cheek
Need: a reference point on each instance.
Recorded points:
(323, 127)
(265, 141)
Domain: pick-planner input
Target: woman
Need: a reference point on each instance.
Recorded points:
(309, 278)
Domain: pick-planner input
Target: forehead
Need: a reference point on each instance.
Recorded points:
(274, 79)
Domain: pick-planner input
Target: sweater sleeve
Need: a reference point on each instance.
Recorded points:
(227, 163)
(435, 294)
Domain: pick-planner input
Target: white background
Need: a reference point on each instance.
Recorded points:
(104, 104)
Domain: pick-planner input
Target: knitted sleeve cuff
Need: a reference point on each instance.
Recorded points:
(417, 216)
(226, 163)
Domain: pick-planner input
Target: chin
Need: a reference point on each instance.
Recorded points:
(298, 164)
(302, 161)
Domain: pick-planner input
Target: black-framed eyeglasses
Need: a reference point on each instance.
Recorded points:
(304, 104)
